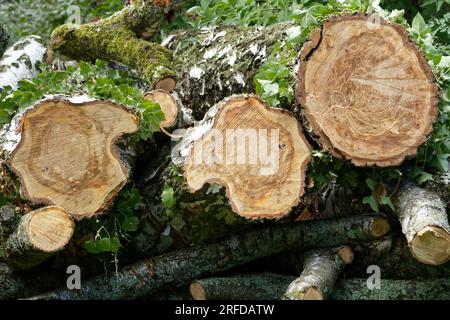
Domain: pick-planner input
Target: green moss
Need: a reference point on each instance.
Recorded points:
(114, 39)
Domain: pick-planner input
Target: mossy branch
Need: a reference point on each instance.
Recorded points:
(116, 38)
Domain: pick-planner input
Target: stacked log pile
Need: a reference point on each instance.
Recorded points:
(364, 94)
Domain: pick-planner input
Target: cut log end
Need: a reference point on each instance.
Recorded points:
(168, 106)
(346, 254)
(379, 227)
(50, 229)
(67, 156)
(167, 84)
(197, 291)
(258, 153)
(313, 293)
(366, 91)
(431, 245)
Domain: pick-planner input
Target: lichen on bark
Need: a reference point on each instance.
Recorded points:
(214, 63)
(4, 38)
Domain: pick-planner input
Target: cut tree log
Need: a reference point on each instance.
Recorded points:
(181, 267)
(320, 272)
(391, 254)
(424, 221)
(357, 289)
(176, 116)
(4, 39)
(218, 62)
(266, 188)
(366, 90)
(231, 147)
(271, 287)
(63, 152)
(266, 286)
(38, 235)
(116, 38)
(21, 61)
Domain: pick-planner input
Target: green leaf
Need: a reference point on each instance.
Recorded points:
(387, 201)
(371, 184)
(418, 23)
(371, 202)
(130, 224)
(168, 197)
(102, 245)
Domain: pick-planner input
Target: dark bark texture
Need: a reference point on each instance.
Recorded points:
(357, 289)
(267, 286)
(218, 62)
(180, 267)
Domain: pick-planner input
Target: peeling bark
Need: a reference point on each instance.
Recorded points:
(21, 61)
(425, 224)
(215, 63)
(180, 267)
(321, 269)
(357, 289)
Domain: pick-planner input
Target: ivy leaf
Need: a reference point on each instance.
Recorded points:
(370, 200)
(418, 23)
(371, 184)
(421, 176)
(102, 245)
(168, 197)
(387, 201)
(130, 224)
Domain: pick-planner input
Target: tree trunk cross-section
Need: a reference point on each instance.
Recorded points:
(366, 91)
(258, 153)
(38, 235)
(67, 156)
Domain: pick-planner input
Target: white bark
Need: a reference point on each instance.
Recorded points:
(21, 61)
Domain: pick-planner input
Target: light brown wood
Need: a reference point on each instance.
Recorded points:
(313, 293)
(50, 229)
(168, 106)
(346, 254)
(366, 90)
(255, 188)
(197, 291)
(167, 84)
(67, 156)
(431, 245)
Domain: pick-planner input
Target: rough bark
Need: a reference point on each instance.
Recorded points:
(425, 224)
(14, 285)
(63, 152)
(21, 61)
(215, 63)
(180, 267)
(391, 254)
(357, 289)
(116, 38)
(320, 271)
(267, 286)
(366, 90)
(4, 39)
(395, 260)
(38, 235)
